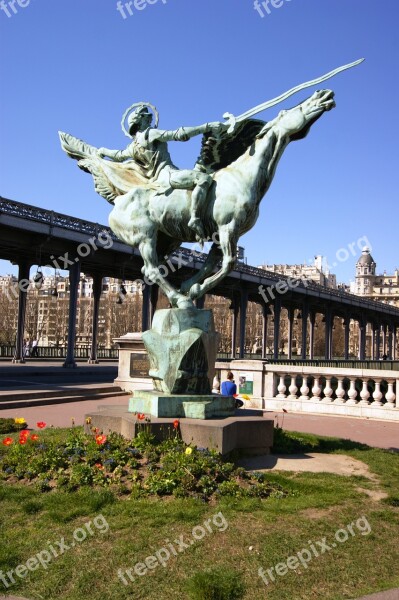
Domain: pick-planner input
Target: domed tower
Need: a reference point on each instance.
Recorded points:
(365, 273)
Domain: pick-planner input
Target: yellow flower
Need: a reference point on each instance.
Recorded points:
(245, 397)
(189, 450)
(19, 421)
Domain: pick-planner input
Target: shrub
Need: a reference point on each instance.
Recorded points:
(9, 426)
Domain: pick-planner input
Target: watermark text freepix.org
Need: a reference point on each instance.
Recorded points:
(163, 555)
(54, 550)
(64, 262)
(134, 6)
(281, 287)
(316, 549)
(343, 254)
(264, 7)
(9, 7)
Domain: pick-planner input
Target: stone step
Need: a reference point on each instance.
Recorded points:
(62, 399)
(59, 392)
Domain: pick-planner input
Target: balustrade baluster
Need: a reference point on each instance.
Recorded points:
(316, 389)
(304, 389)
(352, 393)
(281, 388)
(340, 392)
(293, 388)
(328, 391)
(364, 394)
(377, 394)
(390, 395)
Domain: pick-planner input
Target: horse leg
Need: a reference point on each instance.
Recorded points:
(151, 270)
(207, 268)
(228, 245)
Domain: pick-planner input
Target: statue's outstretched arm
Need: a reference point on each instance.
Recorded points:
(116, 155)
(183, 134)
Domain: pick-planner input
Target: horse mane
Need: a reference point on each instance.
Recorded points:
(219, 152)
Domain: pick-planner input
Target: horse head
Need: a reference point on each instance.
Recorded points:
(297, 121)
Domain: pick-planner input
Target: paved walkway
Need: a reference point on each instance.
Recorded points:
(389, 595)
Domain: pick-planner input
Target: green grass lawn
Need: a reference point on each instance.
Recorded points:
(239, 536)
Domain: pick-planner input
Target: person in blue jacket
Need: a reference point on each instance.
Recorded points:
(229, 388)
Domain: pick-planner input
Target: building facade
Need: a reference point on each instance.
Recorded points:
(317, 272)
(47, 310)
(369, 284)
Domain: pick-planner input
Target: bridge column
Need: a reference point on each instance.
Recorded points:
(23, 285)
(234, 318)
(97, 289)
(384, 339)
(347, 324)
(362, 339)
(243, 320)
(265, 315)
(74, 278)
(390, 342)
(311, 336)
(377, 342)
(277, 315)
(328, 333)
(372, 341)
(290, 313)
(305, 315)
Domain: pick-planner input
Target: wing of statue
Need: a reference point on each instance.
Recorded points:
(219, 152)
(111, 179)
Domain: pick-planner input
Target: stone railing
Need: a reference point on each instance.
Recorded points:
(329, 390)
(351, 392)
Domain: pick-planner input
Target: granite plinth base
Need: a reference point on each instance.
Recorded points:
(249, 434)
(158, 404)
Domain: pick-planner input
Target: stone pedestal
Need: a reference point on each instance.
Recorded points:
(158, 404)
(249, 434)
(133, 363)
(181, 347)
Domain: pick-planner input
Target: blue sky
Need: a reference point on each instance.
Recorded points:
(76, 66)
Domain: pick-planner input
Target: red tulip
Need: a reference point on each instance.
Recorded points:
(8, 441)
(101, 439)
(23, 440)
(141, 416)
(41, 424)
(34, 437)
(176, 423)
(23, 433)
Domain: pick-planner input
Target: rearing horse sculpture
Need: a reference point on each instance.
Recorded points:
(154, 214)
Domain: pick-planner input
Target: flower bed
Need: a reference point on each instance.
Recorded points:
(140, 467)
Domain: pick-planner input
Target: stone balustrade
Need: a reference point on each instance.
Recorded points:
(352, 392)
(326, 390)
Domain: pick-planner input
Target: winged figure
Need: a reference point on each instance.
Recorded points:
(157, 206)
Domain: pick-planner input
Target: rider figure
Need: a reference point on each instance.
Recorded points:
(149, 150)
